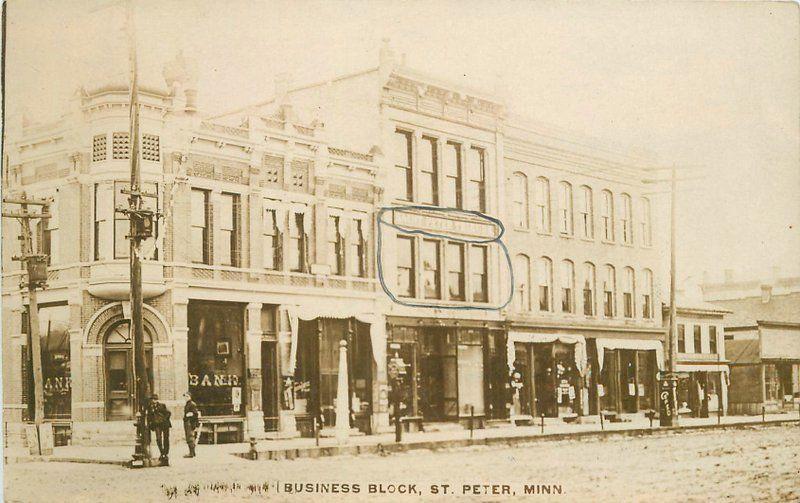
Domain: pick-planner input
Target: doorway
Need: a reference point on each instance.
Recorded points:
(438, 374)
(269, 385)
(120, 399)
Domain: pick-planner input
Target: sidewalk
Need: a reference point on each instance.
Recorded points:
(384, 443)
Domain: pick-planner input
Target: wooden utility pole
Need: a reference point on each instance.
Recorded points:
(36, 267)
(672, 338)
(141, 227)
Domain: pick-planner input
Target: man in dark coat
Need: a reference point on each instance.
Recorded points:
(191, 423)
(158, 418)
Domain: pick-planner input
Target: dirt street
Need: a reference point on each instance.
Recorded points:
(760, 464)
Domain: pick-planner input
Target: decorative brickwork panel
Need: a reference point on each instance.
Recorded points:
(121, 146)
(99, 148)
(273, 170)
(337, 191)
(300, 173)
(151, 150)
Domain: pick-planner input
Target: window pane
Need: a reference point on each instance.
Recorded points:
(452, 170)
(405, 266)
(455, 268)
(479, 280)
(430, 264)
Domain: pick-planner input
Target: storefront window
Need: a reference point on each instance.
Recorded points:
(470, 372)
(54, 335)
(216, 357)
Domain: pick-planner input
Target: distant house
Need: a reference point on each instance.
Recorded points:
(701, 361)
(762, 342)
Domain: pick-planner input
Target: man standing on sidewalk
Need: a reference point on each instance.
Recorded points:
(158, 417)
(191, 423)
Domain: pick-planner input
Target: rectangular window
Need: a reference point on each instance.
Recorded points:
(403, 182)
(609, 292)
(103, 220)
(271, 236)
(478, 267)
(122, 222)
(431, 269)
(229, 226)
(335, 248)
(587, 213)
(698, 339)
(297, 243)
(455, 270)
(567, 288)
(542, 194)
(476, 182)
(200, 226)
(607, 215)
(712, 339)
(121, 145)
(406, 267)
(627, 219)
(452, 176)
(357, 255)
(47, 233)
(647, 235)
(566, 209)
(428, 171)
(681, 338)
(588, 289)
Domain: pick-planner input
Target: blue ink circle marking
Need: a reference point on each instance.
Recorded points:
(497, 239)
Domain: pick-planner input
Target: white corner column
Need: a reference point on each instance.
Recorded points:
(255, 414)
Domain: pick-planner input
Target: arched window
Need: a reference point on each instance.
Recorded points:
(607, 215)
(519, 188)
(647, 293)
(586, 210)
(565, 208)
(609, 291)
(628, 292)
(647, 233)
(589, 282)
(543, 204)
(627, 219)
(544, 273)
(567, 280)
(522, 281)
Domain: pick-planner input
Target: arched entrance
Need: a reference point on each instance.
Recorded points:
(118, 349)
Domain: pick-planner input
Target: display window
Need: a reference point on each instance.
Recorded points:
(216, 357)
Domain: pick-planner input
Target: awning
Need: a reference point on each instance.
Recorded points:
(702, 368)
(640, 344)
(336, 310)
(531, 337)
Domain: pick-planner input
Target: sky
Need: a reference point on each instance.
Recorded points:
(705, 85)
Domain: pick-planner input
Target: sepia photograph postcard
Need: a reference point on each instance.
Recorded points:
(400, 250)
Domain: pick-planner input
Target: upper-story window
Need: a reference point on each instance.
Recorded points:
(647, 232)
(647, 293)
(335, 245)
(542, 195)
(431, 268)
(358, 248)
(47, 233)
(681, 338)
(628, 292)
(103, 220)
(452, 197)
(609, 291)
(627, 219)
(404, 179)
(455, 270)
(586, 210)
(476, 179)
(565, 208)
(712, 339)
(544, 274)
(298, 241)
(406, 267)
(522, 278)
(607, 215)
(200, 226)
(519, 189)
(479, 270)
(698, 338)
(589, 282)
(230, 213)
(567, 279)
(272, 237)
(428, 160)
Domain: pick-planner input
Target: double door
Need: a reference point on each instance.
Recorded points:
(546, 379)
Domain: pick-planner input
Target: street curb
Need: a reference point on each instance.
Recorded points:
(381, 449)
(52, 459)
